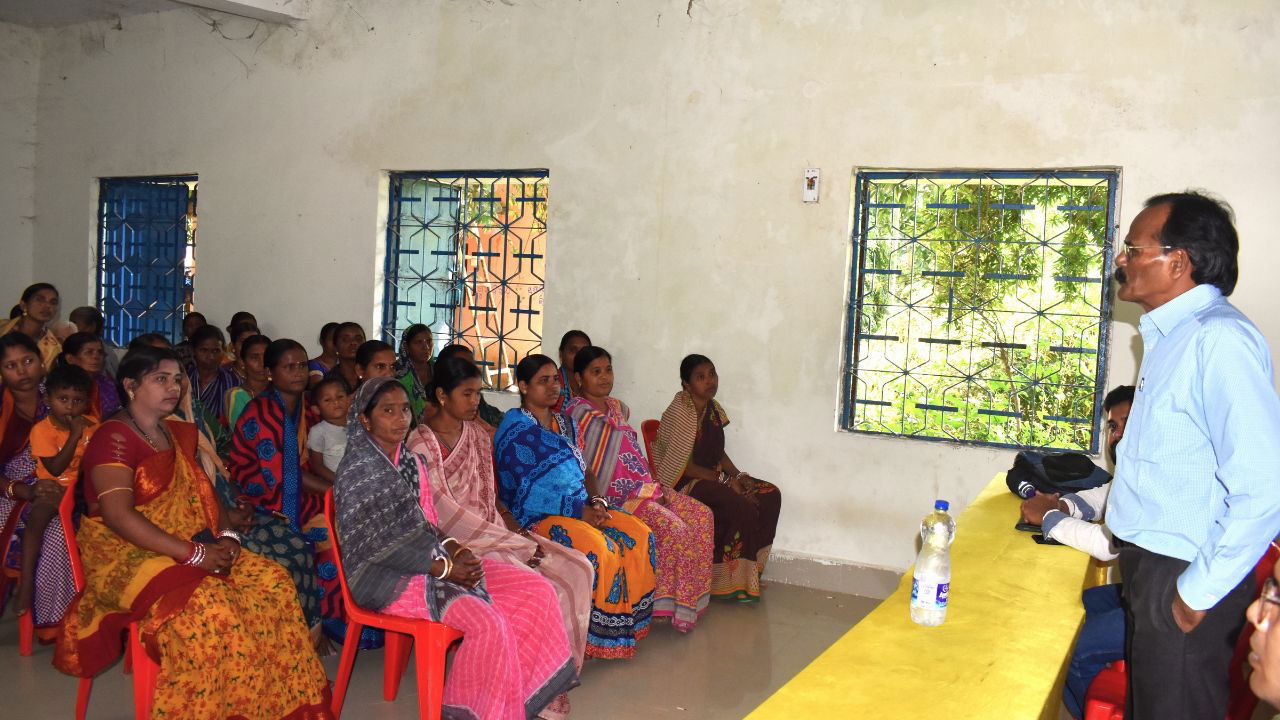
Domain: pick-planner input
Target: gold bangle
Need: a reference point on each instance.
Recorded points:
(111, 490)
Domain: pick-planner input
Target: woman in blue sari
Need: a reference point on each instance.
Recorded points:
(543, 489)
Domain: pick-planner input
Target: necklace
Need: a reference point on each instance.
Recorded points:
(141, 432)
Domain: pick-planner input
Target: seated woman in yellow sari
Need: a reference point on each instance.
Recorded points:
(542, 481)
(689, 457)
(223, 624)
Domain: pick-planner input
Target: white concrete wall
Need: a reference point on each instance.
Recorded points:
(675, 134)
(19, 80)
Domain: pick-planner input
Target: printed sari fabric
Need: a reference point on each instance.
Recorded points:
(232, 646)
(234, 403)
(412, 384)
(266, 464)
(566, 391)
(316, 370)
(462, 490)
(54, 587)
(540, 480)
(514, 658)
(682, 527)
(104, 401)
(744, 527)
(212, 395)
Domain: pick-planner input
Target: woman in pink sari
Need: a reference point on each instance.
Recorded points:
(459, 457)
(515, 658)
(683, 527)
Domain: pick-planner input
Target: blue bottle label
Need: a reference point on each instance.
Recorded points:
(929, 594)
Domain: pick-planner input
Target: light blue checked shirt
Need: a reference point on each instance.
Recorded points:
(1198, 472)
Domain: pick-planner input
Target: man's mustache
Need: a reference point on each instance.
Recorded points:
(1120, 276)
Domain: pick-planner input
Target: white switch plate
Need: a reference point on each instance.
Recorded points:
(811, 185)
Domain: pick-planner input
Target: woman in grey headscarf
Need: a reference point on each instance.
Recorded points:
(515, 658)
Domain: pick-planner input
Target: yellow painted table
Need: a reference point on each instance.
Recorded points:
(1012, 616)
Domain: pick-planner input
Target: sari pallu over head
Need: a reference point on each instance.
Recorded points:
(386, 539)
(123, 581)
(676, 437)
(540, 473)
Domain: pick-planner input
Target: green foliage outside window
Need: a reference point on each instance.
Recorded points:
(978, 306)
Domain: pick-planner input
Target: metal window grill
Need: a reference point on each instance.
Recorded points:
(146, 255)
(466, 255)
(978, 306)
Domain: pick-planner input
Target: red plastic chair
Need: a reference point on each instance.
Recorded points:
(649, 429)
(26, 627)
(6, 532)
(1106, 695)
(433, 640)
(144, 668)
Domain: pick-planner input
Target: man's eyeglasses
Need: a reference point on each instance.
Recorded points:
(1268, 605)
(1132, 251)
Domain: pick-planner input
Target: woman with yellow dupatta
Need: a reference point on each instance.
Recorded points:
(32, 316)
(223, 624)
(689, 458)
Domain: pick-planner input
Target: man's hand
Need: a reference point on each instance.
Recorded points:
(1034, 507)
(1186, 618)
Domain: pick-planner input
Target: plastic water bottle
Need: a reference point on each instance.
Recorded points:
(931, 582)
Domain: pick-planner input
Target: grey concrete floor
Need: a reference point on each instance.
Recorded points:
(737, 657)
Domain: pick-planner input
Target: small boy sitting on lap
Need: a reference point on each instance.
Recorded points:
(57, 444)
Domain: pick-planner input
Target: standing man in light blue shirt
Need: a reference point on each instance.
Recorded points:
(1196, 495)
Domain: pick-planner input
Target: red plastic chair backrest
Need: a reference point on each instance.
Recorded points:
(337, 549)
(65, 510)
(649, 429)
(1242, 701)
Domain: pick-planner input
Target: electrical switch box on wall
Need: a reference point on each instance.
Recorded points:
(811, 185)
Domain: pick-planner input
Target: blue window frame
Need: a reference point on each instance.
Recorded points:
(978, 306)
(146, 255)
(466, 256)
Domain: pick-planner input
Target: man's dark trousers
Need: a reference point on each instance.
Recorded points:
(1175, 675)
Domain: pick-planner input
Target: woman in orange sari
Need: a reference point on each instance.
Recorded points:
(223, 624)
